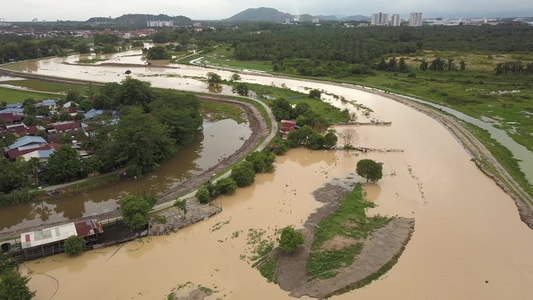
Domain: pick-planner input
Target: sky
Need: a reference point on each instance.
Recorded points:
(77, 10)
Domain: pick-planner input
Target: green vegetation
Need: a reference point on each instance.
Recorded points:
(290, 239)
(268, 269)
(13, 286)
(243, 174)
(16, 96)
(214, 111)
(348, 221)
(90, 60)
(369, 169)
(74, 245)
(135, 209)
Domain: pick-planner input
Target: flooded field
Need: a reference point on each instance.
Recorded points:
(469, 242)
(217, 141)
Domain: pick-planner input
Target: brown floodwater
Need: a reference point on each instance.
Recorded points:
(468, 243)
(218, 140)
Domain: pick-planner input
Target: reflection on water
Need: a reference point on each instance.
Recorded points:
(217, 141)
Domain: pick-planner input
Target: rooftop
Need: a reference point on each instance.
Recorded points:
(25, 140)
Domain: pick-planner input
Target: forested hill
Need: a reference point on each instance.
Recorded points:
(260, 14)
(140, 19)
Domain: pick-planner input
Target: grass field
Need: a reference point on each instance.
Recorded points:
(223, 56)
(322, 263)
(16, 96)
(44, 86)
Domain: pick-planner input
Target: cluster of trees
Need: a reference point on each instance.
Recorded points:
(513, 67)
(12, 284)
(135, 209)
(242, 175)
(152, 125)
(392, 65)
(290, 239)
(301, 112)
(157, 53)
(309, 138)
(22, 48)
(439, 64)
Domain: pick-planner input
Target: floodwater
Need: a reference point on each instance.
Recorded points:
(217, 141)
(468, 243)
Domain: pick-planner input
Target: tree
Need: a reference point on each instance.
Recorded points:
(86, 105)
(261, 161)
(141, 142)
(462, 64)
(13, 286)
(203, 195)
(348, 136)
(74, 245)
(158, 53)
(92, 164)
(290, 239)
(235, 77)
(226, 186)
(315, 94)
(134, 92)
(180, 113)
(242, 89)
(63, 165)
(281, 109)
(73, 95)
(369, 169)
(213, 79)
(135, 210)
(12, 175)
(402, 66)
(330, 140)
(243, 174)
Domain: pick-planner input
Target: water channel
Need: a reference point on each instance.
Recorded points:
(468, 243)
(218, 140)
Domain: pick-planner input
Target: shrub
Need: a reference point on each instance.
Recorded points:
(290, 239)
(74, 245)
(203, 195)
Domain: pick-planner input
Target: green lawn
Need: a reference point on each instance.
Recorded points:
(223, 56)
(44, 86)
(15, 96)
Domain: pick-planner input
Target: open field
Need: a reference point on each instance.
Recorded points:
(16, 96)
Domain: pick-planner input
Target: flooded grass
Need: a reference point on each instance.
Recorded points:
(503, 155)
(215, 111)
(44, 86)
(87, 185)
(350, 221)
(90, 61)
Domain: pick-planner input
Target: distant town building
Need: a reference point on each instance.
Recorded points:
(316, 20)
(415, 19)
(380, 19)
(395, 20)
(160, 23)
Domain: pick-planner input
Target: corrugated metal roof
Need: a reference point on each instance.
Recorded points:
(92, 113)
(48, 235)
(40, 154)
(25, 140)
(87, 228)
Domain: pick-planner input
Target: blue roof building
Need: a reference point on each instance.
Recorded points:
(92, 113)
(14, 105)
(27, 140)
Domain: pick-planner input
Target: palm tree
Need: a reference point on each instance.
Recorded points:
(451, 64)
(34, 164)
(499, 69)
(424, 65)
(463, 65)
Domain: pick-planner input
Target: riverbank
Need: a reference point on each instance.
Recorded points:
(482, 157)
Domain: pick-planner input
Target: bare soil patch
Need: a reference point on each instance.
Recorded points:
(338, 242)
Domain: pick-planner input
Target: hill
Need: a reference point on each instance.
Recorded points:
(140, 19)
(260, 14)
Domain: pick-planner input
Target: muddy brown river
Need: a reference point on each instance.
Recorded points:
(468, 243)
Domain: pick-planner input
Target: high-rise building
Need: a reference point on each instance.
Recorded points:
(415, 19)
(379, 19)
(395, 20)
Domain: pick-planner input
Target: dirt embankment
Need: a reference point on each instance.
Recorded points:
(259, 130)
(383, 247)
